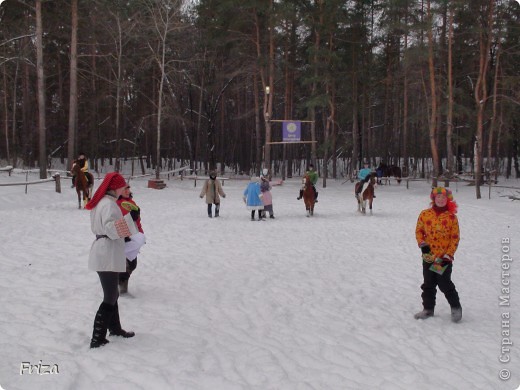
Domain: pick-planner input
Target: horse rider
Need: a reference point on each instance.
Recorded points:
(83, 163)
(364, 175)
(313, 176)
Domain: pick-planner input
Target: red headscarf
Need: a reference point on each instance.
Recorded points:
(112, 181)
(451, 205)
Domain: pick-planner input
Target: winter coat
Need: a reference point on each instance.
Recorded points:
(313, 176)
(439, 230)
(265, 189)
(363, 173)
(125, 211)
(106, 254)
(212, 189)
(253, 196)
(82, 163)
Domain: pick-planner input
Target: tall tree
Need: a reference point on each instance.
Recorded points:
(481, 89)
(449, 118)
(433, 97)
(42, 144)
(73, 98)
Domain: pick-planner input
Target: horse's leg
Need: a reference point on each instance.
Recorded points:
(79, 199)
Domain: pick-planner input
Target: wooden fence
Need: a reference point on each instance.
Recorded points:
(55, 178)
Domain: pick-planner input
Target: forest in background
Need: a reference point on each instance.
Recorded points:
(206, 83)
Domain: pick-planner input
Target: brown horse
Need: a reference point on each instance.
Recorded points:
(367, 195)
(308, 195)
(83, 188)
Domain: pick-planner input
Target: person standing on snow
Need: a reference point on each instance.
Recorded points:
(107, 254)
(437, 234)
(253, 198)
(212, 189)
(267, 198)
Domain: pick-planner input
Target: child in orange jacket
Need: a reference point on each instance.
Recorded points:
(437, 234)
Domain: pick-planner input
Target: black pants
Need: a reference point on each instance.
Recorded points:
(110, 285)
(429, 287)
(130, 267)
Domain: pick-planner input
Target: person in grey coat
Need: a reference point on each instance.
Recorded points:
(212, 189)
(107, 254)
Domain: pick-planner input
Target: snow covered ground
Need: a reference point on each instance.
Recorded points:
(293, 303)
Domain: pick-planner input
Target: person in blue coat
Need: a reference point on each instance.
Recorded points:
(364, 176)
(253, 198)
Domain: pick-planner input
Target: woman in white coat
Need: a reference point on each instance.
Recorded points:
(107, 254)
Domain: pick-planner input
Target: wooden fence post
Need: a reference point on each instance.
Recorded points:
(57, 178)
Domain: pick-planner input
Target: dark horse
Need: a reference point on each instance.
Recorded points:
(384, 170)
(308, 196)
(367, 195)
(83, 188)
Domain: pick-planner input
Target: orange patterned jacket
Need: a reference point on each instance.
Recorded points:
(439, 231)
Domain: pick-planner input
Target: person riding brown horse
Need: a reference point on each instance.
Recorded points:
(309, 196)
(83, 164)
(363, 196)
(83, 187)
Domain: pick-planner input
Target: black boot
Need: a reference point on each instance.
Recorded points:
(209, 210)
(103, 317)
(217, 210)
(115, 325)
(301, 195)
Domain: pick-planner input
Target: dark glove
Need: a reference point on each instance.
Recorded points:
(135, 214)
(425, 249)
(127, 239)
(446, 260)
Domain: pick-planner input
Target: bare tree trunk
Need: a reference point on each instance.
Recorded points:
(42, 144)
(406, 168)
(199, 118)
(317, 45)
(354, 163)
(433, 97)
(269, 109)
(481, 91)
(27, 118)
(6, 113)
(493, 124)
(449, 129)
(95, 136)
(290, 63)
(119, 46)
(73, 100)
(15, 105)
(258, 144)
